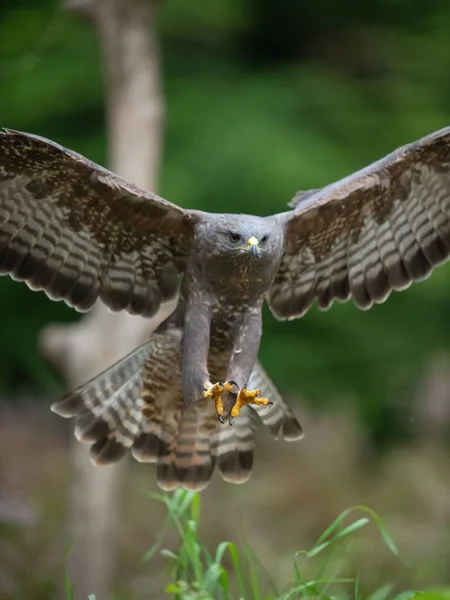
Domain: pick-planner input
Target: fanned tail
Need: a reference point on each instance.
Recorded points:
(136, 405)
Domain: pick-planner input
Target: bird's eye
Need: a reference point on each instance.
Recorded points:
(234, 237)
(264, 239)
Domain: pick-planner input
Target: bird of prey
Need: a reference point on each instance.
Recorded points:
(80, 233)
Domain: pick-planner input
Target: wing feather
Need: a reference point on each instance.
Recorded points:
(375, 231)
(79, 232)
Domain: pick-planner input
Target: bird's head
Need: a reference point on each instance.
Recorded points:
(245, 246)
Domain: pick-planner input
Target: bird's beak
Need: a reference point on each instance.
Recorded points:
(253, 246)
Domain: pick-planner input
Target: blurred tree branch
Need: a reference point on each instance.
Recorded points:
(130, 58)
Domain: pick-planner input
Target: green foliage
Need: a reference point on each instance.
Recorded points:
(195, 573)
(262, 99)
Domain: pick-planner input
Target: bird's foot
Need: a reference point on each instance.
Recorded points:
(215, 391)
(245, 397)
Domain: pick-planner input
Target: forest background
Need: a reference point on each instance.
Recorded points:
(262, 99)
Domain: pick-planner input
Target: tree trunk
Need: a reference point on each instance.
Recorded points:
(126, 30)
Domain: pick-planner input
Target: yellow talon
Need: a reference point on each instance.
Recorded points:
(219, 406)
(215, 392)
(245, 397)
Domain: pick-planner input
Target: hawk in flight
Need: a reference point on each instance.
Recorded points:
(80, 233)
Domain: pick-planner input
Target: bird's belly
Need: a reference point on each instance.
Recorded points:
(220, 349)
(224, 327)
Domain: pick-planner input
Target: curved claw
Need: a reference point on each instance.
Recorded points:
(243, 397)
(214, 391)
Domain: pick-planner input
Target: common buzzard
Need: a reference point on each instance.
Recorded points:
(80, 233)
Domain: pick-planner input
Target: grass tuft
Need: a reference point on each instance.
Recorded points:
(231, 573)
(196, 574)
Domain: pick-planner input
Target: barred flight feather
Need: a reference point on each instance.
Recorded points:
(375, 231)
(79, 232)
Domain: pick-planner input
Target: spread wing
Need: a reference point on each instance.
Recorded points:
(375, 231)
(79, 232)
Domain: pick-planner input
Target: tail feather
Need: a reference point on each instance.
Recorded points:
(136, 405)
(119, 414)
(107, 450)
(235, 448)
(194, 461)
(150, 444)
(182, 454)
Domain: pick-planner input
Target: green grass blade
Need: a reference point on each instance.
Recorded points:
(357, 593)
(195, 507)
(339, 535)
(333, 530)
(68, 587)
(225, 583)
(211, 578)
(318, 582)
(382, 529)
(220, 551)
(252, 573)
(237, 569)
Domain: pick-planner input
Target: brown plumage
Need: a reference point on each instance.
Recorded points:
(80, 233)
(375, 231)
(137, 405)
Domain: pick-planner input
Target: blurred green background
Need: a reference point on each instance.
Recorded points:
(263, 98)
